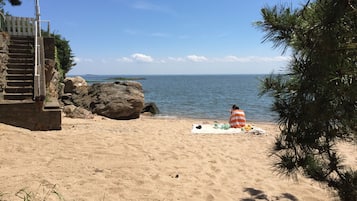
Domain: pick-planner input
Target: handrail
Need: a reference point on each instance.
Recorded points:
(39, 75)
(36, 74)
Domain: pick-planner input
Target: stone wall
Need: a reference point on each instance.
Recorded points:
(51, 73)
(4, 43)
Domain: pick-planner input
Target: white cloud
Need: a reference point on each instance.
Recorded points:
(176, 59)
(142, 58)
(232, 59)
(125, 60)
(196, 58)
(82, 60)
(249, 59)
(275, 59)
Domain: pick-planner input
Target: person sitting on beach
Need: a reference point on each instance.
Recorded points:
(237, 118)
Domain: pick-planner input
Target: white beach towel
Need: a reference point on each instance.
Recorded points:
(223, 129)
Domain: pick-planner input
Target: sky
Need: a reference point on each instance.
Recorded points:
(140, 37)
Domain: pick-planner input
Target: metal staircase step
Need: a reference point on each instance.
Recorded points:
(19, 71)
(19, 89)
(18, 55)
(20, 65)
(27, 76)
(19, 83)
(21, 61)
(24, 45)
(22, 39)
(18, 96)
(23, 51)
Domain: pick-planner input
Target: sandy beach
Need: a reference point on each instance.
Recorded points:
(147, 159)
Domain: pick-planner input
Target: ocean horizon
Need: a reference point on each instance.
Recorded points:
(200, 96)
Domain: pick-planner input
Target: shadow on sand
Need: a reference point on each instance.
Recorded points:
(255, 194)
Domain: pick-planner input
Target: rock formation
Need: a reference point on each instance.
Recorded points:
(118, 100)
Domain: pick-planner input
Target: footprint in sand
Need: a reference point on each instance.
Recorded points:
(210, 197)
(212, 176)
(215, 169)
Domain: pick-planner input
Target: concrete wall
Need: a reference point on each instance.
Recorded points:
(31, 116)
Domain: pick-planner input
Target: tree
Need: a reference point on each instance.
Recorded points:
(65, 58)
(12, 2)
(15, 2)
(317, 99)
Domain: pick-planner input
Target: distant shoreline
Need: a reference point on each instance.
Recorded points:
(125, 78)
(143, 75)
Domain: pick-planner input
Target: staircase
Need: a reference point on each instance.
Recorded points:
(23, 100)
(20, 69)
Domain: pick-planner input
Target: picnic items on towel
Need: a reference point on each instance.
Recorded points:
(225, 129)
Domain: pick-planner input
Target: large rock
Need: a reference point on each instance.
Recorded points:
(119, 100)
(75, 92)
(72, 83)
(150, 108)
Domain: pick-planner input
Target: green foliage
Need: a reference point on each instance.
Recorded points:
(42, 194)
(317, 99)
(64, 55)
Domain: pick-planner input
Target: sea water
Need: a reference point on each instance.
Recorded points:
(202, 96)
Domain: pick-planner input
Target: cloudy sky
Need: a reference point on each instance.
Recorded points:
(136, 37)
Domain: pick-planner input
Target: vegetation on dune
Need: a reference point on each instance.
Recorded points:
(317, 99)
(43, 193)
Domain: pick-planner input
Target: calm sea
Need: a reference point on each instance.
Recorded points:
(202, 96)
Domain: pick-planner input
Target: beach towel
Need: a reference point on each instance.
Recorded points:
(225, 129)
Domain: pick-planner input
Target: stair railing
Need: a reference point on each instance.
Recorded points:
(20, 26)
(39, 74)
(24, 26)
(36, 92)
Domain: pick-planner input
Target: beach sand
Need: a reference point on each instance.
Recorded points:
(146, 159)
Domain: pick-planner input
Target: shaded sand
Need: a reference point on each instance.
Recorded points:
(145, 159)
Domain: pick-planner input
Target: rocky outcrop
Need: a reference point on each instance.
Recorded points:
(72, 84)
(75, 92)
(118, 100)
(77, 112)
(150, 108)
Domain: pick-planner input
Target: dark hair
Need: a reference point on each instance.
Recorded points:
(235, 107)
